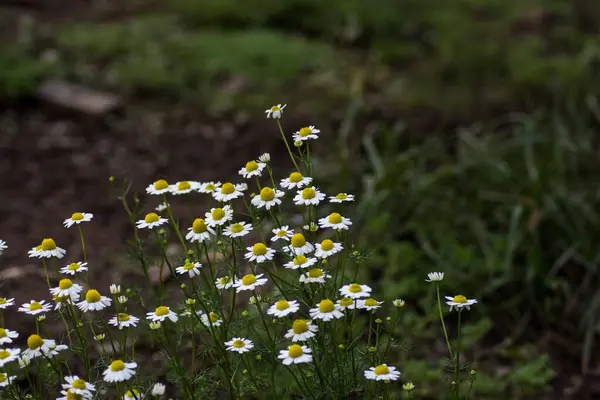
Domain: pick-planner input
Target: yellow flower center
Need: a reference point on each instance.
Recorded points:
(335, 218)
(227, 188)
(326, 245)
(259, 249)
(65, 284)
(346, 301)
(267, 194)
(295, 177)
(305, 131)
(35, 306)
(77, 216)
(341, 196)
(199, 226)
(308, 193)
(161, 184)
(298, 240)
(188, 266)
(3, 377)
(3, 300)
(281, 233)
(275, 108)
(73, 267)
(238, 344)
(117, 366)
(355, 288)
(370, 302)
(121, 317)
(150, 218)
(295, 351)
(133, 394)
(72, 395)
(4, 354)
(185, 185)
(381, 370)
(315, 273)
(210, 186)
(237, 228)
(248, 279)
(3, 333)
(282, 305)
(299, 260)
(251, 166)
(92, 296)
(48, 244)
(34, 341)
(214, 317)
(326, 306)
(78, 384)
(224, 280)
(299, 326)
(161, 311)
(459, 299)
(217, 214)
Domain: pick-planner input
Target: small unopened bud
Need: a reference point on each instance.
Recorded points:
(408, 386)
(122, 299)
(190, 302)
(115, 289)
(155, 325)
(41, 318)
(372, 349)
(341, 346)
(111, 179)
(244, 313)
(258, 357)
(398, 303)
(183, 285)
(298, 143)
(378, 321)
(473, 372)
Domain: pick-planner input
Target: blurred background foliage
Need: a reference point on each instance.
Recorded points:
(468, 128)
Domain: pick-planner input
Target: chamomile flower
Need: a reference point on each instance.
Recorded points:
(308, 132)
(35, 251)
(238, 229)
(299, 246)
(208, 187)
(267, 198)
(252, 168)
(8, 355)
(161, 186)
(355, 291)
(161, 314)
(158, 389)
(6, 335)
(190, 268)
(66, 288)
(282, 233)
(5, 303)
(124, 320)
(35, 307)
(224, 282)
(327, 248)
(38, 347)
(309, 196)
(150, 221)
(183, 187)
(78, 386)
(259, 253)
(133, 394)
(94, 301)
(6, 379)
(301, 331)
(301, 262)
(295, 180)
(327, 310)
(283, 307)
(239, 345)
(335, 221)
(161, 207)
(119, 371)
(369, 304)
(212, 319)
(264, 157)
(459, 302)
(3, 246)
(114, 289)
(77, 218)
(382, 372)
(74, 268)
(434, 277)
(275, 112)
(199, 232)
(341, 197)
(315, 275)
(346, 303)
(249, 282)
(227, 192)
(219, 216)
(295, 354)
(48, 249)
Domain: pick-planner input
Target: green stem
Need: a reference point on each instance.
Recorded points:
(457, 368)
(437, 287)
(287, 145)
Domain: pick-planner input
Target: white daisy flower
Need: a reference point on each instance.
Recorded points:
(35, 307)
(77, 218)
(114, 289)
(308, 196)
(161, 314)
(301, 262)
(199, 232)
(264, 157)
(123, 320)
(302, 330)
(224, 283)
(327, 248)
(150, 221)
(249, 282)
(434, 277)
(3, 246)
(212, 319)
(355, 291)
(47, 249)
(66, 288)
(308, 132)
(133, 394)
(369, 304)
(237, 230)
(74, 268)
(283, 308)
(315, 275)
(35, 251)
(252, 168)
(299, 246)
(208, 187)
(192, 269)
(335, 221)
(161, 207)
(183, 187)
(6, 335)
(346, 303)
(341, 197)
(382, 373)
(275, 112)
(8, 355)
(267, 198)
(240, 345)
(227, 192)
(6, 379)
(259, 253)
(5, 303)
(159, 187)
(158, 389)
(219, 216)
(94, 301)
(326, 311)
(283, 233)
(295, 180)
(78, 386)
(459, 302)
(295, 354)
(38, 347)
(119, 371)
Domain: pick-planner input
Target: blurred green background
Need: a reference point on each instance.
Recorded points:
(468, 128)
